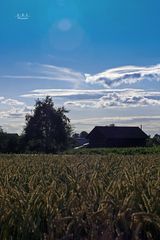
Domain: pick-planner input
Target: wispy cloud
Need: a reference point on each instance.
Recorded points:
(115, 119)
(125, 75)
(111, 95)
(46, 72)
(113, 77)
(71, 92)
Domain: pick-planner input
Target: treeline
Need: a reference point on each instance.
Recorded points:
(155, 141)
(14, 143)
(9, 143)
(47, 130)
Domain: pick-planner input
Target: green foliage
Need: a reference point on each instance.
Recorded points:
(79, 197)
(117, 151)
(47, 129)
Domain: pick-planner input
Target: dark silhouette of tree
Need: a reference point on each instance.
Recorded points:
(12, 143)
(156, 139)
(75, 135)
(9, 143)
(2, 140)
(83, 134)
(48, 129)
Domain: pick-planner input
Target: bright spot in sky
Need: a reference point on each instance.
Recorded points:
(64, 25)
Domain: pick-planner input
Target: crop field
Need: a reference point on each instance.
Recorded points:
(80, 197)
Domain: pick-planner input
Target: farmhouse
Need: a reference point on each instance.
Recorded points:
(115, 136)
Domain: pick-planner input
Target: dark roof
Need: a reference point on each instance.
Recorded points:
(119, 132)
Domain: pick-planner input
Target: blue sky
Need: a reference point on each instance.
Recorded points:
(98, 58)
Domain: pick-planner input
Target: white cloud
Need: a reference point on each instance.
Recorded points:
(108, 97)
(47, 72)
(12, 114)
(12, 108)
(15, 113)
(11, 102)
(70, 92)
(127, 98)
(100, 98)
(125, 75)
(110, 78)
(14, 127)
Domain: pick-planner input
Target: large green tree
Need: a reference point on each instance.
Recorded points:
(48, 129)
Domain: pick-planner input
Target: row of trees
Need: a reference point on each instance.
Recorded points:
(47, 130)
(155, 141)
(8, 142)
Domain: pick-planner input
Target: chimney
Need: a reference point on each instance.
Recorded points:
(141, 127)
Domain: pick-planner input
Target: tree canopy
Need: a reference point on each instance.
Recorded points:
(8, 142)
(48, 129)
(156, 139)
(83, 134)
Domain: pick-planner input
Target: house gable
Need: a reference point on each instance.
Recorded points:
(111, 136)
